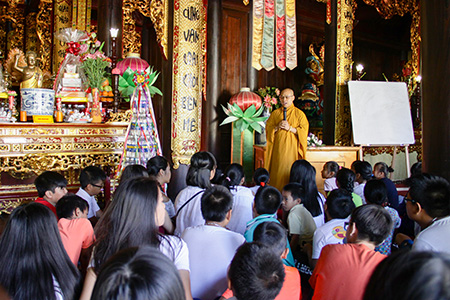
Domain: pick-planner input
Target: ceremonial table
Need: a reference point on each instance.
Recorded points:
(28, 149)
(317, 156)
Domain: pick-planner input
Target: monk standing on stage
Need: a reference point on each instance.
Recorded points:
(287, 131)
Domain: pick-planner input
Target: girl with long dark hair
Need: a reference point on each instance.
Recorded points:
(187, 205)
(34, 263)
(304, 173)
(132, 220)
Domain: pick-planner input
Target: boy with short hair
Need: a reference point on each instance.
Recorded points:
(51, 186)
(428, 204)
(343, 271)
(211, 246)
(92, 181)
(266, 204)
(273, 235)
(338, 208)
(76, 231)
(256, 273)
(300, 222)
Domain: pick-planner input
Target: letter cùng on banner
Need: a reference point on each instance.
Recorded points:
(189, 52)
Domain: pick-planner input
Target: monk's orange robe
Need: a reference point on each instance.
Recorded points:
(285, 147)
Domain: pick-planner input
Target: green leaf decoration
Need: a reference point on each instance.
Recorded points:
(250, 111)
(229, 120)
(256, 126)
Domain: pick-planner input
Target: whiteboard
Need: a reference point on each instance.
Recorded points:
(381, 113)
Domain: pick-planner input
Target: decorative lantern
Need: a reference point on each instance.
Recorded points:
(134, 61)
(245, 98)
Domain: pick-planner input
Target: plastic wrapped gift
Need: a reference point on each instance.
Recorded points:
(71, 82)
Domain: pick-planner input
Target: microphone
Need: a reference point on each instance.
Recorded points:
(284, 113)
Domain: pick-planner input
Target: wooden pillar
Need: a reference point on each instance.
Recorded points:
(213, 89)
(252, 73)
(329, 107)
(110, 16)
(435, 17)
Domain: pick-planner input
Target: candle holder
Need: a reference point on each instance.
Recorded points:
(114, 32)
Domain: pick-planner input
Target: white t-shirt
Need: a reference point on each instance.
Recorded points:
(176, 250)
(301, 222)
(359, 190)
(211, 249)
(332, 232)
(329, 184)
(191, 214)
(320, 219)
(93, 206)
(242, 209)
(434, 238)
(254, 189)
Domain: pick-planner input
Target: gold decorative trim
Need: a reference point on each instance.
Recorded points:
(43, 30)
(32, 40)
(388, 9)
(120, 117)
(157, 11)
(15, 38)
(344, 49)
(159, 14)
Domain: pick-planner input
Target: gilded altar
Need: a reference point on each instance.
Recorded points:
(27, 150)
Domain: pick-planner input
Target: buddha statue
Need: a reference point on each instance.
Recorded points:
(32, 76)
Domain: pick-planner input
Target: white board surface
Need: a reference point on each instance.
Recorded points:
(381, 113)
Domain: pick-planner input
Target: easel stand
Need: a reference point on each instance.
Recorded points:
(394, 155)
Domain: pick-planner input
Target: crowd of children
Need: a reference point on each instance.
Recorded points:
(224, 240)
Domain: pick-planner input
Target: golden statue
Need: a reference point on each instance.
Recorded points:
(32, 76)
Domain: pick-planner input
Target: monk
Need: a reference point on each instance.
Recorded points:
(286, 139)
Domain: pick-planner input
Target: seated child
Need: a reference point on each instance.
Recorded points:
(338, 208)
(51, 186)
(329, 171)
(273, 235)
(92, 180)
(76, 231)
(376, 193)
(233, 179)
(300, 222)
(381, 171)
(267, 201)
(261, 178)
(211, 246)
(342, 271)
(363, 173)
(256, 273)
(428, 204)
(345, 179)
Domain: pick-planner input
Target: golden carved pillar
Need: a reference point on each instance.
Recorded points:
(15, 15)
(345, 17)
(157, 11)
(131, 38)
(44, 33)
(189, 50)
(63, 9)
(3, 15)
(32, 40)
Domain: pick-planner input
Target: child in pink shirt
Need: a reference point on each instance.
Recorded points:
(76, 231)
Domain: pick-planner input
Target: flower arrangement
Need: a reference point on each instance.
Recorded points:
(94, 61)
(270, 97)
(313, 141)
